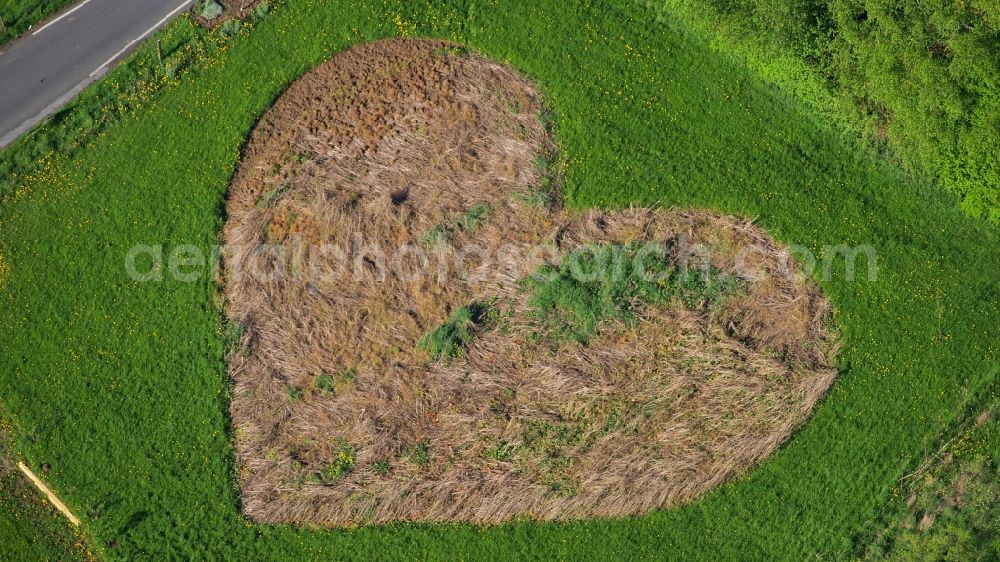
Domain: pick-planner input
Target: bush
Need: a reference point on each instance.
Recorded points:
(420, 454)
(928, 71)
(210, 9)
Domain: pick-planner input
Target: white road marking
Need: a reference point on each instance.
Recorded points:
(73, 9)
(141, 37)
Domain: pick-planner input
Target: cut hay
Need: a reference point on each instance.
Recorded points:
(390, 362)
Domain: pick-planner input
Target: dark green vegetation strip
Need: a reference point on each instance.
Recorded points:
(592, 284)
(919, 77)
(18, 15)
(125, 381)
(604, 282)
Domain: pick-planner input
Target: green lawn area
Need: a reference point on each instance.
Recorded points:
(18, 15)
(125, 382)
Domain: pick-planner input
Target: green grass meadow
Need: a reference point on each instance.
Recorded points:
(124, 383)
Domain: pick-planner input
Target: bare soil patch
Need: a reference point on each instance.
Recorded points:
(344, 409)
(230, 9)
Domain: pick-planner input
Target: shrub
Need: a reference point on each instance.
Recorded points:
(468, 221)
(341, 381)
(475, 215)
(210, 9)
(434, 236)
(502, 452)
(325, 382)
(229, 28)
(261, 10)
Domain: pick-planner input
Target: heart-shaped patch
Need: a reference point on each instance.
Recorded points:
(420, 332)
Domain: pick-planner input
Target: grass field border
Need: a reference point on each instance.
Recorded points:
(19, 16)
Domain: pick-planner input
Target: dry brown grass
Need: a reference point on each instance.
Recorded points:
(340, 418)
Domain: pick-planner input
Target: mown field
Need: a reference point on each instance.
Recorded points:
(123, 383)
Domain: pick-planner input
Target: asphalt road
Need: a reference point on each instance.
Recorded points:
(44, 69)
